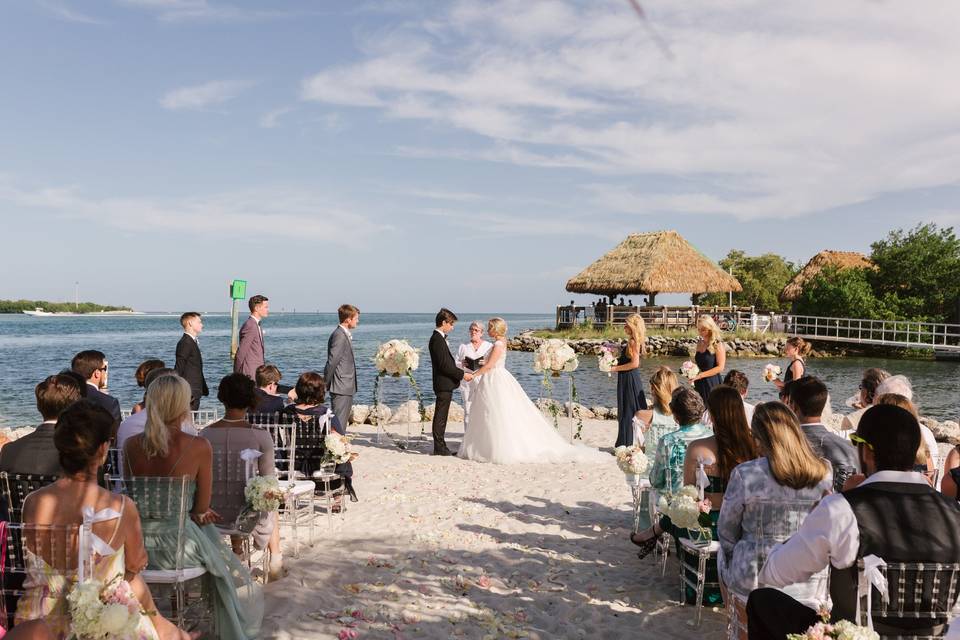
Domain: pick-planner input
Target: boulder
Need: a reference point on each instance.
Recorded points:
(456, 412)
(612, 413)
(409, 411)
(585, 413)
(359, 413)
(600, 412)
(946, 431)
(381, 415)
(546, 406)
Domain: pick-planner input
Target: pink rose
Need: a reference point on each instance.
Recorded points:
(705, 506)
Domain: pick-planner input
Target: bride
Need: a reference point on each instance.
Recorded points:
(505, 426)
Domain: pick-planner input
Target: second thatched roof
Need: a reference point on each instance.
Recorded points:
(840, 259)
(657, 262)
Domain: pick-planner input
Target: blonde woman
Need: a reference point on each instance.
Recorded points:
(630, 396)
(505, 426)
(658, 421)
(711, 357)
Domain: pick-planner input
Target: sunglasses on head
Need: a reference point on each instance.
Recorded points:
(855, 439)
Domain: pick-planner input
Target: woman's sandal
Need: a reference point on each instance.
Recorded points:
(646, 546)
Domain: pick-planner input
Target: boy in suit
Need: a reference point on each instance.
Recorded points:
(189, 364)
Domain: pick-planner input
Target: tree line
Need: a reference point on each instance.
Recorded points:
(18, 306)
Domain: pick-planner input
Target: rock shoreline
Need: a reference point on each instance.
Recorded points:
(664, 346)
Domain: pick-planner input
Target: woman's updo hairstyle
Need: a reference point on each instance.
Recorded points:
(802, 346)
(497, 327)
(81, 430)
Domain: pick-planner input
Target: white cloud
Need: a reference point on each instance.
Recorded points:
(203, 95)
(271, 119)
(272, 212)
(204, 11)
(763, 110)
(67, 14)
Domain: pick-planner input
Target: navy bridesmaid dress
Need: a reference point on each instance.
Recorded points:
(630, 399)
(706, 361)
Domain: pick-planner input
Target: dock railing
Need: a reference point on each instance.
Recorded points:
(892, 333)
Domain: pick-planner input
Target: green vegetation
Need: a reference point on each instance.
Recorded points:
(763, 278)
(917, 277)
(588, 332)
(18, 306)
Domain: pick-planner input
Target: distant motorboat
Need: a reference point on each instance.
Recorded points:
(38, 312)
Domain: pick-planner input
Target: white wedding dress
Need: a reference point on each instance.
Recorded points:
(507, 428)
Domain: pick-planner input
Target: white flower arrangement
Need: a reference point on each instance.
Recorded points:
(689, 370)
(631, 460)
(685, 510)
(842, 630)
(608, 358)
(555, 356)
(771, 372)
(337, 448)
(101, 611)
(396, 358)
(263, 493)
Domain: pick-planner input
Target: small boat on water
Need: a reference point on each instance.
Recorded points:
(38, 312)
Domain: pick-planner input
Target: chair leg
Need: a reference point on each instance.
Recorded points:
(701, 583)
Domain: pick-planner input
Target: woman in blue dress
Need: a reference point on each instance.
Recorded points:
(796, 349)
(711, 356)
(630, 396)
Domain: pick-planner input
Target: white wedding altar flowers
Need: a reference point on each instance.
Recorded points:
(263, 493)
(396, 358)
(101, 611)
(771, 372)
(555, 356)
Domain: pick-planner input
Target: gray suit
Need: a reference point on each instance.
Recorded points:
(340, 374)
(250, 351)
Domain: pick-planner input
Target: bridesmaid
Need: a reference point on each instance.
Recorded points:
(796, 349)
(630, 396)
(711, 356)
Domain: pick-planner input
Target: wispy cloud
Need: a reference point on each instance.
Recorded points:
(273, 212)
(67, 14)
(204, 11)
(762, 111)
(204, 95)
(271, 119)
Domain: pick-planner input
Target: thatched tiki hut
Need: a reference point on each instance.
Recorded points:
(842, 260)
(652, 263)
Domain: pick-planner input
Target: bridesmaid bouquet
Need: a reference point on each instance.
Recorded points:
(689, 370)
(631, 460)
(608, 358)
(337, 448)
(555, 356)
(263, 493)
(842, 630)
(771, 372)
(101, 611)
(396, 358)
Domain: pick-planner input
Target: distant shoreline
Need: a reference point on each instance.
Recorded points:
(45, 307)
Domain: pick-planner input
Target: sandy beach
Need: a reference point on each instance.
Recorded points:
(446, 548)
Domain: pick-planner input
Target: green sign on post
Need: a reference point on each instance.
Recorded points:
(238, 289)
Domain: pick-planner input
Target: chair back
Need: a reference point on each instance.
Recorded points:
(229, 481)
(922, 598)
(203, 417)
(298, 443)
(160, 499)
(776, 521)
(17, 486)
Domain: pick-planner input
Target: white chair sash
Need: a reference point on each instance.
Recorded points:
(702, 480)
(871, 576)
(89, 542)
(638, 437)
(249, 457)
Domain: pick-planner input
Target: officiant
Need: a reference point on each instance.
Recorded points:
(470, 357)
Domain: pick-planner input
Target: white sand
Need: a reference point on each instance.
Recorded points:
(446, 548)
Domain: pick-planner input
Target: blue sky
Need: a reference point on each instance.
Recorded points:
(403, 155)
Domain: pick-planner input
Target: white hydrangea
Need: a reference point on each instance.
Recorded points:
(555, 356)
(396, 358)
(631, 460)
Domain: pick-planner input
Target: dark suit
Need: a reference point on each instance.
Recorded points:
(268, 403)
(189, 366)
(250, 351)
(106, 401)
(33, 453)
(340, 374)
(446, 378)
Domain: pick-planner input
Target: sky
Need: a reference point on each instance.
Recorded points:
(402, 155)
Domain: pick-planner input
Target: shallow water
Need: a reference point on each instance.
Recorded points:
(32, 348)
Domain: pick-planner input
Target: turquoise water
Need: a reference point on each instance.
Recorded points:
(32, 348)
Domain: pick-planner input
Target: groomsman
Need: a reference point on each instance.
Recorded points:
(250, 351)
(340, 372)
(189, 363)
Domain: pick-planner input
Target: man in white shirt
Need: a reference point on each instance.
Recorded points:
(739, 381)
(894, 514)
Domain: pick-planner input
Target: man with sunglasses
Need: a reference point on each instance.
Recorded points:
(91, 365)
(893, 514)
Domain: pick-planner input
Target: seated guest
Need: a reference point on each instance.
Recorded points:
(950, 483)
(79, 379)
(925, 462)
(788, 471)
(666, 475)
(82, 439)
(140, 375)
(894, 514)
(268, 377)
(231, 435)
(36, 452)
(92, 365)
(658, 420)
(311, 390)
(900, 385)
(164, 450)
(807, 398)
(872, 378)
(739, 381)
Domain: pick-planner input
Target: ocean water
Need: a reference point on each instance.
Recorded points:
(33, 348)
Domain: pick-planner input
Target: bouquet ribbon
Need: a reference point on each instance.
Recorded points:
(89, 542)
(249, 457)
(871, 576)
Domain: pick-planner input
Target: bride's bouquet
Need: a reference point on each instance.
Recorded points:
(689, 370)
(771, 372)
(608, 358)
(396, 358)
(555, 356)
(101, 611)
(631, 460)
(263, 493)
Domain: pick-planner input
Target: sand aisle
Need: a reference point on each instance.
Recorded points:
(445, 548)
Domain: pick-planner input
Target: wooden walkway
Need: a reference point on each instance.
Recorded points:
(903, 334)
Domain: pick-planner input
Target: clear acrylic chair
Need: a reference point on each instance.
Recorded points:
(923, 598)
(299, 501)
(167, 500)
(17, 486)
(203, 417)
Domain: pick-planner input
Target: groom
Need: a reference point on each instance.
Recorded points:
(446, 378)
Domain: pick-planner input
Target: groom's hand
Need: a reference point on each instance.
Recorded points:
(468, 376)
